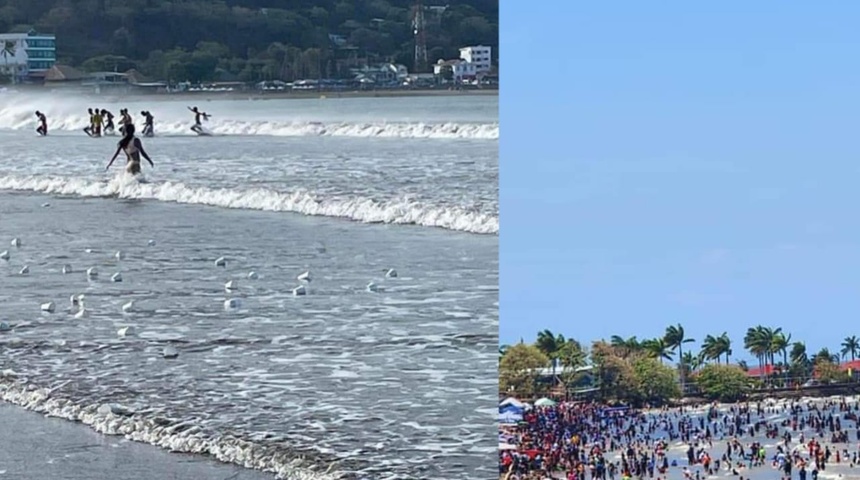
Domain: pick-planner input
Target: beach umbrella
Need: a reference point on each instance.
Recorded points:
(545, 402)
(512, 401)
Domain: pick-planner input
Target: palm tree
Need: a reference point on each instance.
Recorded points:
(780, 344)
(725, 345)
(756, 341)
(550, 344)
(798, 354)
(627, 346)
(712, 348)
(824, 355)
(675, 339)
(657, 348)
(851, 346)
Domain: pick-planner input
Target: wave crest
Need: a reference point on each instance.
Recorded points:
(366, 210)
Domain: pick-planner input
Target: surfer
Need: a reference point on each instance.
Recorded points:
(108, 119)
(42, 129)
(133, 148)
(89, 130)
(147, 124)
(198, 127)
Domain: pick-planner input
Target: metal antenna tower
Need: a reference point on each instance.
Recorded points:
(418, 27)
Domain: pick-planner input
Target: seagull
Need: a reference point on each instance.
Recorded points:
(300, 291)
(231, 303)
(231, 285)
(124, 332)
(4, 255)
(253, 275)
(76, 300)
(67, 268)
(170, 352)
(82, 313)
(372, 287)
(92, 272)
(116, 277)
(304, 277)
(119, 255)
(16, 242)
(390, 272)
(48, 307)
(25, 270)
(128, 306)
(220, 262)
(151, 243)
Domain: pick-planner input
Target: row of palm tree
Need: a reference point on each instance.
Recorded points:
(766, 344)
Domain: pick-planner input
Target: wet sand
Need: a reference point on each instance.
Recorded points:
(36, 447)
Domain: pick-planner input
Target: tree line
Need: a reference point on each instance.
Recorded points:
(251, 40)
(636, 371)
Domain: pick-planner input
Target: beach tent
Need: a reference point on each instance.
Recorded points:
(545, 402)
(511, 408)
(510, 417)
(512, 401)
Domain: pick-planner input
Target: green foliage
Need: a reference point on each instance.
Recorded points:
(194, 39)
(725, 383)
(655, 383)
(518, 369)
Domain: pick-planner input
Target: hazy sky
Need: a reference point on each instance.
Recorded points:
(692, 162)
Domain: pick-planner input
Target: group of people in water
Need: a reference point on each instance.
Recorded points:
(582, 441)
(102, 123)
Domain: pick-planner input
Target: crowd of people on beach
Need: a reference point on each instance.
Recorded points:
(587, 440)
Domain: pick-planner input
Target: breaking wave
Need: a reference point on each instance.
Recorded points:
(394, 211)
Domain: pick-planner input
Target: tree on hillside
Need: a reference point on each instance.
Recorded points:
(724, 383)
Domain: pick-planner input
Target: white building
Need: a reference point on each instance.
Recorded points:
(25, 56)
(478, 55)
(460, 69)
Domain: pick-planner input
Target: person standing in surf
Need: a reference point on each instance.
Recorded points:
(124, 121)
(198, 127)
(108, 119)
(147, 124)
(42, 129)
(97, 123)
(133, 148)
(89, 130)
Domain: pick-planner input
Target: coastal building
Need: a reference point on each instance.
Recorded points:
(456, 71)
(26, 57)
(480, 56)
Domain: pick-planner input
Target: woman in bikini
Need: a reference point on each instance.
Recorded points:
(133, 148)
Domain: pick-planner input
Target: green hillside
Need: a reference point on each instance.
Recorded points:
(248, 40)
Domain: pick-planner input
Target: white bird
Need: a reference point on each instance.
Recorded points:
(48, 307)
(92, 272)
(151, 243)
(67, 268)
(125, 332)
(231, 303)
(89, 250)
(119, 255)
(128, 306)
(170, 352)
(25, 270)
(231, 285)
(46, 205)
(390, 272)
(220, 262)
(4, 255)
(300, 290)
(304, 277)
(372, 287)
(116, 277)
(16, 242)
(253, 275)
(74, 300)
(82, 313)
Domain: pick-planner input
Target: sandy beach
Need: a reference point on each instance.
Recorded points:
(35, 447)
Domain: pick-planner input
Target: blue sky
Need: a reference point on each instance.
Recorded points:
(680, 162)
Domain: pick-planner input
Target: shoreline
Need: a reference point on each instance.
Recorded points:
(35, 446)
(258, 95)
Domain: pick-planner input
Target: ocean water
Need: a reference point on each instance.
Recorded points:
(393, 381)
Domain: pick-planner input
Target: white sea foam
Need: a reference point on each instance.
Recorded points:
(148, 427)
(399, 211)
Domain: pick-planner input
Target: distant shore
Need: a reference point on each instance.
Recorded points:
(262, 95)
